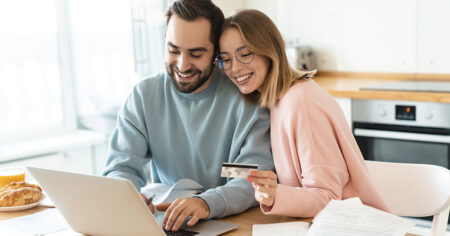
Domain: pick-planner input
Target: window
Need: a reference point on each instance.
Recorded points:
(61, 61)
(148, 29)
(102, 45)
(112, 52)
(32, 99)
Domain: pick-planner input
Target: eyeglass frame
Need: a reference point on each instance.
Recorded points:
(219, 62)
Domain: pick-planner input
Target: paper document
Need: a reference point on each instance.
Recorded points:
(351, 217)
(286, 229)
(183, 188)
(46, 202)
(44, 222)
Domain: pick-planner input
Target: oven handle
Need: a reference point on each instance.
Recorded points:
(433, 138)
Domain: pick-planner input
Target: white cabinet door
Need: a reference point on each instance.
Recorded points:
(79, 161)
(76, 160)
(433, 36)
(346, 106)
(100, 155)
(53, 161)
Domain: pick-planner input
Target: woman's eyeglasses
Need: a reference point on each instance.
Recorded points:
(243, 55)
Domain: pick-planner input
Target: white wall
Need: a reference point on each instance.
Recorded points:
(230, 6)
(365, 35)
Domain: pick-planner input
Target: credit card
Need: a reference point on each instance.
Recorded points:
(233, 170)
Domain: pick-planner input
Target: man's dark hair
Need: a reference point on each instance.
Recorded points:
(190, 10)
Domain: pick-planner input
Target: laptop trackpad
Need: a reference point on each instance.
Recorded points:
(211, 227)
(204, 227)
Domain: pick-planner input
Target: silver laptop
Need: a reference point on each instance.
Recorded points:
(96, 205)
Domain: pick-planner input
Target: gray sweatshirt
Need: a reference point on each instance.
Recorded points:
(185, 135)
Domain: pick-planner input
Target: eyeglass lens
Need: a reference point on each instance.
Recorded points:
(242, 55)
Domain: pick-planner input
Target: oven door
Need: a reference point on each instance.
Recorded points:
(402, 146)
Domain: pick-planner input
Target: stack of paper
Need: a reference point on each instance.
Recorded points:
(297, 228)
(44, 222)
(349, 217)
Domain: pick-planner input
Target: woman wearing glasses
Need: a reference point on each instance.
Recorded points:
(316, 157)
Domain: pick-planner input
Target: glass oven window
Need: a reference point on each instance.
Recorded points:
(390, 150)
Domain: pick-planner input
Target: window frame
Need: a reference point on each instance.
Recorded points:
(69, 106)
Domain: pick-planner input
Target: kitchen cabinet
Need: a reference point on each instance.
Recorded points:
(100, 153)
(79, 151)
(51, 161)
(346, 106)
(87, 160)
(432, 38)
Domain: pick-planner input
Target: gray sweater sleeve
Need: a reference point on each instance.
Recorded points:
(252, 146)
(128, 149)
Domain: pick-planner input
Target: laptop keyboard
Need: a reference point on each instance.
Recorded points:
(180, 232)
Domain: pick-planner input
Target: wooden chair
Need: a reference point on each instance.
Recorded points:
(414, 190)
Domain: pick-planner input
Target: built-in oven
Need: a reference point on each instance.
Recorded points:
(403, 131)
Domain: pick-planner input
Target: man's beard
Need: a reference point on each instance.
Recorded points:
(189, 87)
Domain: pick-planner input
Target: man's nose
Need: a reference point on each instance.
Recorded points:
(183, 63)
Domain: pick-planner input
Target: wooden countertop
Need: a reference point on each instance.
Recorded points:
(244, 221)
(348, 86)
(247, 219)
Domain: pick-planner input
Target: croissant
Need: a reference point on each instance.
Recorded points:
(19, 193)
(4, 192)
(20, 184)
(20, 196)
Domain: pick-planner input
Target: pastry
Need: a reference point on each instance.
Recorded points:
(20, 184)
(19, 193)
(20, 196)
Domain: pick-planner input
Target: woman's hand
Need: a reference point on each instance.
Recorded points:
(265, 184)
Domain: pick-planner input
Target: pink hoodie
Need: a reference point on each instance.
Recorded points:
(316, 156)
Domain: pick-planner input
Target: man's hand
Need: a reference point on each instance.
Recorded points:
(179, 210)
(150, 205)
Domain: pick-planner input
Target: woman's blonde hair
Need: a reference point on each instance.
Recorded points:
(261, 36)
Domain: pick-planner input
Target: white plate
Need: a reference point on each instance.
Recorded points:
(23, 207)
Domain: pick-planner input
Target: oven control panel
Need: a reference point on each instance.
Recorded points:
(405, 112)
(412, 113)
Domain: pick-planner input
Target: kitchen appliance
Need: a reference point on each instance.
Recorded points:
(403, 131)
(301, 57)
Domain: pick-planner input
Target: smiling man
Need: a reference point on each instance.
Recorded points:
(189, 54)
(186, 121)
